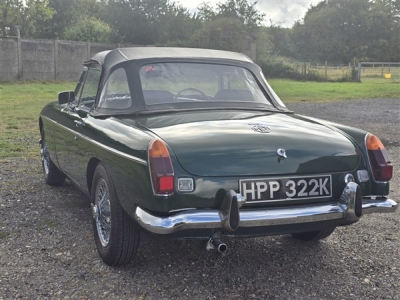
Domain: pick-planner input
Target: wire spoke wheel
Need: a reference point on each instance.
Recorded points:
(103, 217)
(45, 155)
(52, 175)
(115, 234)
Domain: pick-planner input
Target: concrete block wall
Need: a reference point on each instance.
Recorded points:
(8, 59)
(37, 60)
(70, 57)
(27, 59)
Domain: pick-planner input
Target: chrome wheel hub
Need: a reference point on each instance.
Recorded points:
(44, 154)
(101, 212)
(95, 212)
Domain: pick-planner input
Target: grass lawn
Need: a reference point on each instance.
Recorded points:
(20, 104)
(293, 91)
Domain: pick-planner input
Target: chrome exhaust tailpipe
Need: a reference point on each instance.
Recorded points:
(220, 246)
(217, 245)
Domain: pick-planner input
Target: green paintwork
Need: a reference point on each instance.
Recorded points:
(216, 148)
(221, 146)
(227, 141)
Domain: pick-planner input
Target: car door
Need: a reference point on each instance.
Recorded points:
(73, 126)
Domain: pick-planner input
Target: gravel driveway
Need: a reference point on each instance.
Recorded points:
(47, 249)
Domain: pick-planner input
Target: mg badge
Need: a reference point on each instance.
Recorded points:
(281, 154)
(260, 128)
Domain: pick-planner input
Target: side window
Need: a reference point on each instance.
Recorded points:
(79, 86)
(115, 93)
(89, 89)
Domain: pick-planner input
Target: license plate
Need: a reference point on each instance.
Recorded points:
(277, 189)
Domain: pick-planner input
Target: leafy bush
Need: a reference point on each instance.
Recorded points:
(89, 30)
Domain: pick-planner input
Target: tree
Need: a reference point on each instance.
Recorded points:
(67, 14)
(35, 12)
(280, 40)
(89, 30)
(10, 14)
(384, 31)
(27, 14)
(135, 21)
(221, 33)
(178, 26)
(239, 10)
(206, 12)
(149, 22)
(343, 30)
(225, 27)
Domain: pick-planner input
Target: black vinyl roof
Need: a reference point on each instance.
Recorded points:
(112, 57)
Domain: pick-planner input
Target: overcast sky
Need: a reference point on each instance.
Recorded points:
(281, 12)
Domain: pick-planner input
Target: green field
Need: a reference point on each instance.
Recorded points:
(20, 106)
(21, 103)
(293, 91)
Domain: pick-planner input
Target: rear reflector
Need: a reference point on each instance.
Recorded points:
(162, 172)
(166, 183)
(381, 166)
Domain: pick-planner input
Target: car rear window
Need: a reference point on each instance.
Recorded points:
(196, 82)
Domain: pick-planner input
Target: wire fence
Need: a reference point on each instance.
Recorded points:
(328, 72)
(386, 70)
(333, 72)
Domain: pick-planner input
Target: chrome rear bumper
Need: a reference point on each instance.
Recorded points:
(347, 210)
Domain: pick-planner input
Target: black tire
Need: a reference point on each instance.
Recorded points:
(52, 175)
(314, 235)
(116, 236)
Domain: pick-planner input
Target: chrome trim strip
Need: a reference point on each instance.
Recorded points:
(47, 118)
(211, 218)
(117, 152)
(181, 209)
(383, 205)
(107, 148)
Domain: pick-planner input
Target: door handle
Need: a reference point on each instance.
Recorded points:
(79, 123)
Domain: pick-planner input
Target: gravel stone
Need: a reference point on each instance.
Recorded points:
(47, 249)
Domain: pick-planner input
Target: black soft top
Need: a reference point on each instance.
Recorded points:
(136, 57)
(110, 58)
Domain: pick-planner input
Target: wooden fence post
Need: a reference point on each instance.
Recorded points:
(88, 50)
(20, 70)
(326, 70)
(55, 59)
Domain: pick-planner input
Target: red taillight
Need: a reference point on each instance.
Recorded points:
(381, 166)
(162, 172)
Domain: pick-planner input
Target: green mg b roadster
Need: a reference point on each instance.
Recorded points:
(194, 144)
